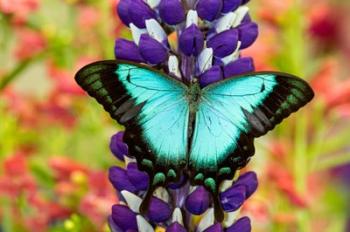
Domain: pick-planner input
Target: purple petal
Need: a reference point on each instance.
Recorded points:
(138, 178)
(139, 12)
(127, 50)
(176, 227)
(159, 210)
(238, 67)
(212, 75)
(250, 181)
(231, 5)
(118, 147)
(198, 201)
(191, 41)
(151, 50)
(248, 33)
(233, 198)
(209, 9)
(246, 19)
(123, 11)
(241, 225)
(224, 43)
(124, 218)
(120, 181)
(214, 228)
(112, 226)
(171, 11)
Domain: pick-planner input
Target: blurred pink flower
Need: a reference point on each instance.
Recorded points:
(19, 9)
(284, 181)
(329, 88)
(63, 79)
(88, 16)
(98, 195)
(63, 167)
(30, 43)
(329, 26)
(264, 49)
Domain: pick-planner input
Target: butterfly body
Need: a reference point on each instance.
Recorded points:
(174, 129)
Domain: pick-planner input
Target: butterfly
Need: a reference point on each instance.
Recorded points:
(175, 129)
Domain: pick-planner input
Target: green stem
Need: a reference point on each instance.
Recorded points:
(15, 73)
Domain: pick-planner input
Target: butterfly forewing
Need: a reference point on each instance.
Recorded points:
(152, 107)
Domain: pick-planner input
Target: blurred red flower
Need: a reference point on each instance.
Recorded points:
(30, 43)
(19, 9)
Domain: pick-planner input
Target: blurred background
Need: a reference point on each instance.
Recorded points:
(54, 140)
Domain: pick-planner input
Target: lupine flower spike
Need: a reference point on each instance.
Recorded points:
(185, 137)
(210, 35)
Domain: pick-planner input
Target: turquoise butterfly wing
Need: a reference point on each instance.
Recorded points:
(152, 107)
(232, 112)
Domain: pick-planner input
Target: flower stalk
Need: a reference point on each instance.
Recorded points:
(209, 38)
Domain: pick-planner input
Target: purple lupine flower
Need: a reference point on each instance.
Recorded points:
(177, 11)
(210, 36)
(118, 147)
(191, 40)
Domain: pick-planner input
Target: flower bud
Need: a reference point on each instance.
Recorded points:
(248, 32)
(224, 43)
(151, 50)
(198, 201)
(238, 67)
(123, 11)
(212, 75)
(233, 198)
(191, 41)
(124, 218)
(139, 12)
(250, 181)
(171, 11)
(209, 9)
(241, 225)
(230, 5)
(159, 210)
(126, 50)
(120, 181)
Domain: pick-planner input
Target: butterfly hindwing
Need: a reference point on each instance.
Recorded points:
(152, 107)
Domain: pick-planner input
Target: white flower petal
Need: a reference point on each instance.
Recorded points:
(240, 14)
(173, 65)
(162, 194)
(155, 30)
(192, 18)
(132, 200)
(230, 218)
(225, 22)
(177, 216)
(136, 33)
(207, 220)
(234, 56)
(205, 59)
(143, 225)
(225, 185)
(153, 3)
(128, 160)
